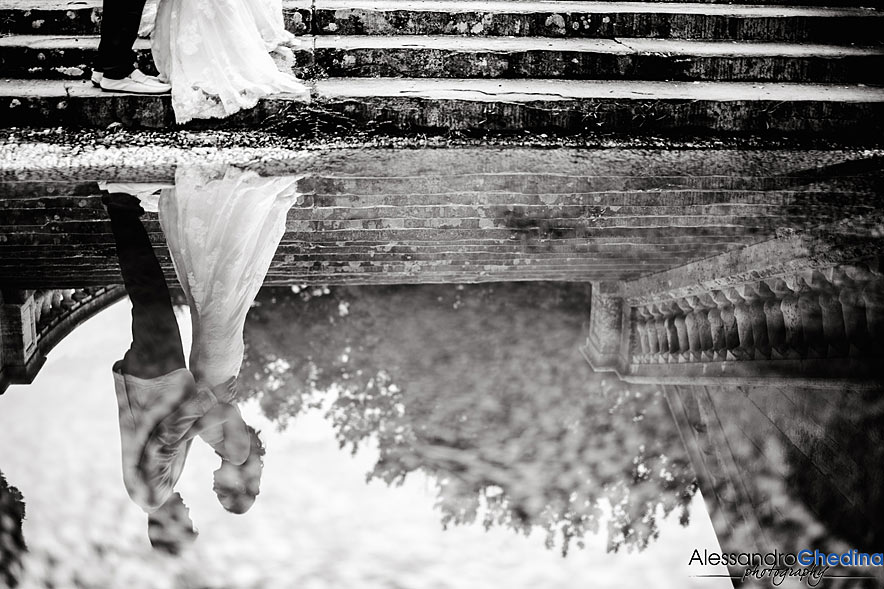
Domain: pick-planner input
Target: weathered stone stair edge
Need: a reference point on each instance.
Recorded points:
(512, 91)
(849, 113)
(621, 45)
(579, 19)
(36, 56)
(592, 19)
(749, 7)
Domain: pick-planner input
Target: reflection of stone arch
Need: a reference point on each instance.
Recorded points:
(33, 322)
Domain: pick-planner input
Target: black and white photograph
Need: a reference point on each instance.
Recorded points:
(441, 294)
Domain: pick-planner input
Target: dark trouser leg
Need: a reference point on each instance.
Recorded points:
(119, 29)
(156, 342)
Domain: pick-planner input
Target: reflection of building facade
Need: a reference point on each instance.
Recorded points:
(770, 358)
(32, 322)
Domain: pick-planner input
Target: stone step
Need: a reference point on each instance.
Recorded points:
(348, 107)
(752, 20)
(415, 56)
(83, 17)
(594, 59)
(677, 20)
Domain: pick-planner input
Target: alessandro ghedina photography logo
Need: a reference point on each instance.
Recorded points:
(808, 566)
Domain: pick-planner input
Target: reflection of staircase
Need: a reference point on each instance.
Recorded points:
(379, 216)
(575, 67)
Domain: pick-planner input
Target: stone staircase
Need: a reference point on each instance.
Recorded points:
(560, 67)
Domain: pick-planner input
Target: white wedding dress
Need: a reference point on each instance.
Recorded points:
(222, 228)
(223, 56)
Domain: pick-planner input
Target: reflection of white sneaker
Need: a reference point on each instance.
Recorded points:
(147, 192)
(137, 83)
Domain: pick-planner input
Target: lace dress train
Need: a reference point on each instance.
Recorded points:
(223, 56)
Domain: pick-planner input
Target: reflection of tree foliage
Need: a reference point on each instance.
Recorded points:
(12, 542)
(483, 388)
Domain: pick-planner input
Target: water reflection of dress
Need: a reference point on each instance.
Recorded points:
(223, 229)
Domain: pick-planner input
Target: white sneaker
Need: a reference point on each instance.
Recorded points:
(97, 77)
(137, 83)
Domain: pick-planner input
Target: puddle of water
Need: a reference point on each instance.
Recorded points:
(464, 365)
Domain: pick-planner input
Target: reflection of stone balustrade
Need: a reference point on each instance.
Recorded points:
(834, 313)
(782, 318)
(33, 322)
(52, 306)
